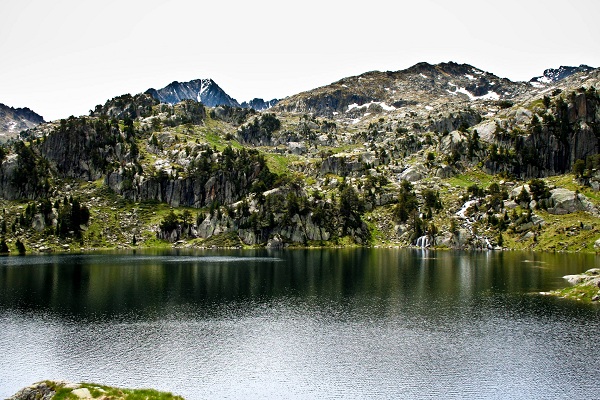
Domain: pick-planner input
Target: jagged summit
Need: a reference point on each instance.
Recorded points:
(15, 120)
(205, 91)
(553, 75)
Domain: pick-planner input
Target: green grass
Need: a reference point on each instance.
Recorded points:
(154, 243)
(539, 103)
(98, 391)
(581, 292)
(279, 164)
(473, 177)
(227, 239)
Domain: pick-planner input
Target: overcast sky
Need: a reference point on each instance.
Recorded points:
(63, 57)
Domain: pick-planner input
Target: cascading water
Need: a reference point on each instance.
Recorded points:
(423, 242)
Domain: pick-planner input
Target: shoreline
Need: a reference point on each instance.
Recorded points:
(47, 390)
(585, 287)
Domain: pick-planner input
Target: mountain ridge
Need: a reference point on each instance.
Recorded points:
(554, 75)
(435, 155)
(14, 120)
(204, 91)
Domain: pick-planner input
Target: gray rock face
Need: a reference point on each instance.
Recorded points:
(38, 223)
(517, 191)
(452, 121)
(341, 164)
(454, 141)
(188, 192)
(81, 151)
(8, 189)
(573, 136)
(276, 242)
(259, 104)
(590, 277)
(414, 173)
(564, 201)
(37, 391)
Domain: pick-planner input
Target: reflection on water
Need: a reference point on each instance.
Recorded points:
(319, 324)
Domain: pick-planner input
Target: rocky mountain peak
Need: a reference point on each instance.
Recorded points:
(553, 75)
(15, 120)
(207, 92)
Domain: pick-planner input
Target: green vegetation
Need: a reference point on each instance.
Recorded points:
(586, 287)
(107, 392)
(138, 173)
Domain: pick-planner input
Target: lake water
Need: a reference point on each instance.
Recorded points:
(358, 323)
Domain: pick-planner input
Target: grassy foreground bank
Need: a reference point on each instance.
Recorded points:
(62, 391)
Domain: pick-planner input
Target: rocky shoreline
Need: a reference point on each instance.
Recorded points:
(585, 287)
(47, 390)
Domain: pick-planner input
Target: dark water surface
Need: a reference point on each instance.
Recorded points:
(360, 323)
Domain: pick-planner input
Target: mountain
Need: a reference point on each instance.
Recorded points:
(259, 104)
(444, 155)
(423, 83)
(205, 91)
(15, 120)
(552, 75)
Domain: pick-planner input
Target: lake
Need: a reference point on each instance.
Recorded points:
(335, 323)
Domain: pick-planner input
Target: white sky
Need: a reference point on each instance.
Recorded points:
(63, 57)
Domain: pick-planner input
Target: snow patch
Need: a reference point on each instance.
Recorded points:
(465, 91)
(487, 96)
(379, 103)
(424, 76)
(428, 108)
(470, 77)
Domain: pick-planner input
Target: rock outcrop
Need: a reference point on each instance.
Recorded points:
(259, 104)
(564, 201)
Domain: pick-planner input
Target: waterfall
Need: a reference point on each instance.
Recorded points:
(423, 242)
